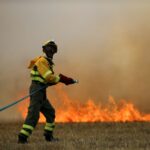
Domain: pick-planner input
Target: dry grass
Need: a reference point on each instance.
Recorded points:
(81, 136)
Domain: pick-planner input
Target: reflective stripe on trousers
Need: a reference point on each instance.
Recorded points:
(49, 126)
(26, 129)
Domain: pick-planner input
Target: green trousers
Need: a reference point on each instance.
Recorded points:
(38, 103)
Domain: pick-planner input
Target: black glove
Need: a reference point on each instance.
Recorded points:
(66, 80)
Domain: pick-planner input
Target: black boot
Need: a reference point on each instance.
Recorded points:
(49, 136)
(22, 139)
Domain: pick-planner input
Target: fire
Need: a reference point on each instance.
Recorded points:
(75, 111)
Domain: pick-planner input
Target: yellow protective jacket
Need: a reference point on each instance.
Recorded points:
(42, 71)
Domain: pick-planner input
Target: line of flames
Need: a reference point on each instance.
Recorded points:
(75, 111)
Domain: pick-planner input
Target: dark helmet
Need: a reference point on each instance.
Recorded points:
(50, 47)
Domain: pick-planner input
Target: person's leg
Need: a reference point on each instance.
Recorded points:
(49, 113)
(33, 113)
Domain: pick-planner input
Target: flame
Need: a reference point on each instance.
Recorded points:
(75, 111)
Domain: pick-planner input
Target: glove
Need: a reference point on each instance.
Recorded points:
(66, 80)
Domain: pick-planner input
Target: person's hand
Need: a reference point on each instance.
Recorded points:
(66, 80)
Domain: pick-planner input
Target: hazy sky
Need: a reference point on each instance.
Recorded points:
(104, 44)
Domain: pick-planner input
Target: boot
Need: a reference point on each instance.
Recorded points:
(49, 136)
(22, 139)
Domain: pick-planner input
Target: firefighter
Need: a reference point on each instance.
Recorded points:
(42, 73)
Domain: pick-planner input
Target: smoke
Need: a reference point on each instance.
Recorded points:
(104, 44)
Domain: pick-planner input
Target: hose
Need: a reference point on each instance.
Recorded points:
(21, 99)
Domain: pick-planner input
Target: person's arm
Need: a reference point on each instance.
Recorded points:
(45, 72)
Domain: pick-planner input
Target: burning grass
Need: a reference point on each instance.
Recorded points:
(68, 110)
(119, 126)
(89, 136)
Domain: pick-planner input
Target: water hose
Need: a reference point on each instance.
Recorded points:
(21, 99)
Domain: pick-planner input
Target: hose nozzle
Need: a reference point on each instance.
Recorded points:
(76, 81)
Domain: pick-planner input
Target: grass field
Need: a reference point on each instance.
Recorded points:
(81, 136)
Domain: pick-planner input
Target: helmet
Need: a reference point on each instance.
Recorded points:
(50, 47)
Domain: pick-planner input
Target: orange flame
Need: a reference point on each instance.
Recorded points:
(75, 111)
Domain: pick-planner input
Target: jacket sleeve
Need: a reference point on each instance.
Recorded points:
(45, 71)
